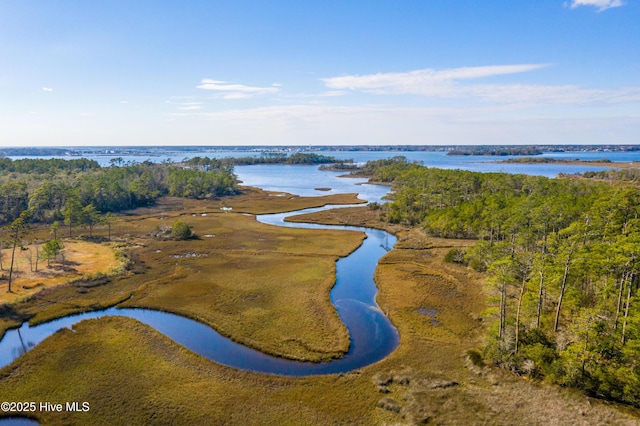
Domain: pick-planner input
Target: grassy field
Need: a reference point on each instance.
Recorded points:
(130, 374)
(264, 286)
(82, 258)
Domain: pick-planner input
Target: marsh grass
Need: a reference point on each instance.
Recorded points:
(277, 303)
(82, 258)
(133, 375)
(251, 200)
(356, 216)
(264, 286)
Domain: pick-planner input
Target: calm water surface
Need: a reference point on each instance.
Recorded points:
(17, 421)
(429, 159)
(304, 181)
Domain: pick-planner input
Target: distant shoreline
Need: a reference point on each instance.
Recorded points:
(574, 162)
(75, 151)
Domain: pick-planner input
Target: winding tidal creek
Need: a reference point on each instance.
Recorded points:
(372, 335)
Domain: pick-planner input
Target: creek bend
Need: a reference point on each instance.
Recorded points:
(372, 335)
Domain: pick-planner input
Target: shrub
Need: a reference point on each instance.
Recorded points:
(455, 255)
(181, 231)
(476, 358)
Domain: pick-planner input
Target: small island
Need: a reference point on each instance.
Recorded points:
(495, 150)
(602, 162)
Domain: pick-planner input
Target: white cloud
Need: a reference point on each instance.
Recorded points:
(458, 83)
(236, 91)
(566, 94)
(47, 89)
(389, 125)
(190, 106)
(600, 4)
(238, 95)
(428, 82)
(333, 93)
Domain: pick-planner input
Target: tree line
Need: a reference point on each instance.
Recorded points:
(79, 192)
(40, 166)
(298, 158)
(496, 150)
(563, 258)
(55, 190)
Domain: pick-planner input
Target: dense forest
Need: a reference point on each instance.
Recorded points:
(52, 190)
(56, 189)
(563, 259)
(612, 175)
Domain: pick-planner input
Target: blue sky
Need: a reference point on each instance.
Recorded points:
(269, 72)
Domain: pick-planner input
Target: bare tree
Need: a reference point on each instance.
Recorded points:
(17, 229)
(37, 249)
(110, 219)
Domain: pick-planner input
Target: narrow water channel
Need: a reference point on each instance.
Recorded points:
(372, 335)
